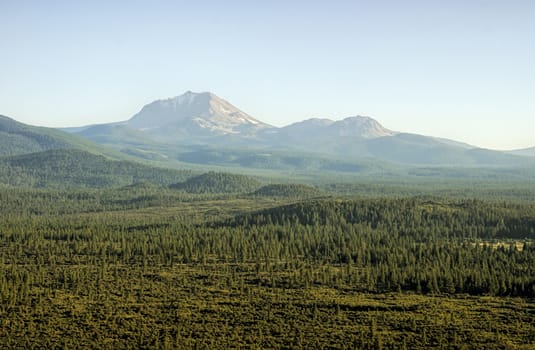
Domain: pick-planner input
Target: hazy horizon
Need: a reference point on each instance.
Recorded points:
(455, 70)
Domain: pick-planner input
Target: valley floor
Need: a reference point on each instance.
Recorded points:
(111, 270)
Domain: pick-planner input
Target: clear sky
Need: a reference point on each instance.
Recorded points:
(461, 69)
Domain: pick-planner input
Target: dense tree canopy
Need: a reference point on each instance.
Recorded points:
(149, 267)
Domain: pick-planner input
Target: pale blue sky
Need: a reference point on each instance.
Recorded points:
(458, 69)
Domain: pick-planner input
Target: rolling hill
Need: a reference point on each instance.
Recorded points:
(288, 191)
(215, 182)
(18, 138)
(64, 168)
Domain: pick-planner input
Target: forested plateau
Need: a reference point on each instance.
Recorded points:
(147, 266)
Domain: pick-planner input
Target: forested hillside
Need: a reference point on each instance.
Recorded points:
(66, 168)
(421, 219)
(214, 182)
(288, 190)
(18, 138)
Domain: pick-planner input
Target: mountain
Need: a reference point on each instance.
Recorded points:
(18, 138)
(357, 137)
(353, 127)
(357, 127)
(194, 114)
(202, 128)
(327, 132)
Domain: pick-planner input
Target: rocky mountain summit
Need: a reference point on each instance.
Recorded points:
(197, 113)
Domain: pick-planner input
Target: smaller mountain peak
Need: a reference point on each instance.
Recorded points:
(362, 126)
(190, 97)
(361, 118)
(193, 93)
(187, 98)
(320, 120)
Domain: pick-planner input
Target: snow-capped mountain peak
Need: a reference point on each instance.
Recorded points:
(203, 111)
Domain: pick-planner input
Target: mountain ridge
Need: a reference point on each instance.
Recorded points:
(204, 129)
(194, 120)
(529, 152)
(17, 138)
